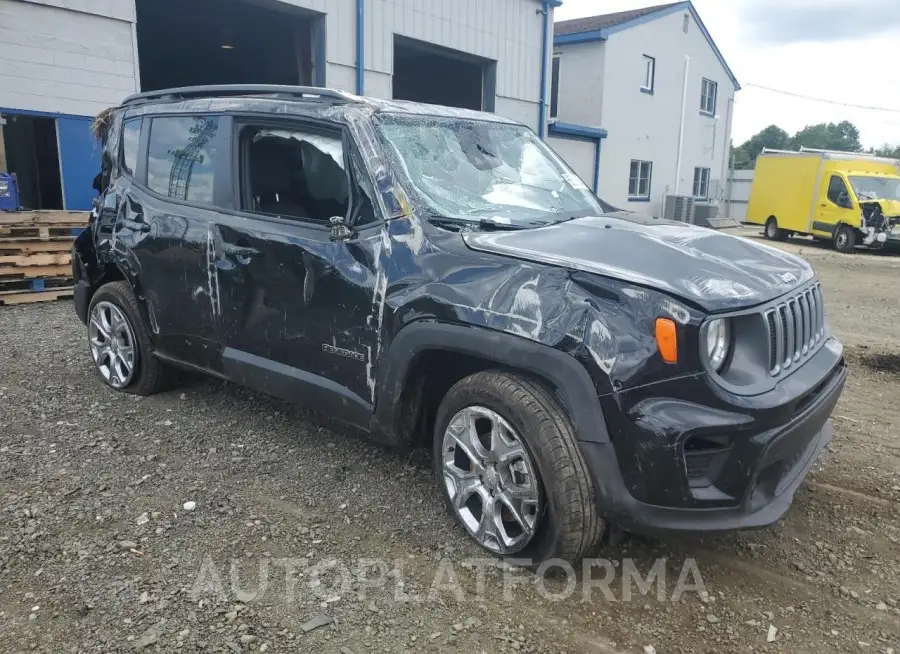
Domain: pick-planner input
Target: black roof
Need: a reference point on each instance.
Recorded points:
(310, 95)
(603, 21)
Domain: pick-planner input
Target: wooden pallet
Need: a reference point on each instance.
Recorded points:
(44, 218)
(15, 272)
(27, 246)
(20, 285)
(49, 295)
(43, 233)
(35, 254)
(42, 259)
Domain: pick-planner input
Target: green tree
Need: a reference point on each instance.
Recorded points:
(842, 136)
(773, 137)
(887, 150)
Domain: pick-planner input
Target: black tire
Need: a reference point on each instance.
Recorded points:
(150, 374)
(845, 239)
(772, 231)
(569, 527)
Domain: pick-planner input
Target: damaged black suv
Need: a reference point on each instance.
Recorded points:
(439, 277)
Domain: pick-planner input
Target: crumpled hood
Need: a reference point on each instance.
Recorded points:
(713, 270)
(888, 207)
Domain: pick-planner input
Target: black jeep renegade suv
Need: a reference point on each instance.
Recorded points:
(439, 277)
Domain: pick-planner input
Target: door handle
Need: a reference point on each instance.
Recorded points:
(243, 253)
(137, 225)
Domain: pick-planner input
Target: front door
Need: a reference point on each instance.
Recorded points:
(296, 302)
(835, 206)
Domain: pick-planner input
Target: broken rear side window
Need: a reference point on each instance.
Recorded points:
(294, 173)
(181, 157)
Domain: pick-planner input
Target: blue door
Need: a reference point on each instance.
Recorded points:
(79, 159)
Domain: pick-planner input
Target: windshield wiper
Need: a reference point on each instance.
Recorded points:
(486, 224)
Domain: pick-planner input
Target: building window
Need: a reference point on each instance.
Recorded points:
(701, 183)
(649, 74)
(181, 157)
(554, 88)
(686, 23)
(708, 94)
(639, 180)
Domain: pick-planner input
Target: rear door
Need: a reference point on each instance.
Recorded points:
(165, 206)
(296, 302)
(836, 205)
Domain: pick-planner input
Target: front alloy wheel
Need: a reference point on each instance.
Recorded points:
(112, 344)
(491, 480)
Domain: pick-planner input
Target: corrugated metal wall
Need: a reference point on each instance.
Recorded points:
(65, 61)
(505, 31)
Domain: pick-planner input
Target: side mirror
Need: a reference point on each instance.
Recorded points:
(844, 200)
(339, 229)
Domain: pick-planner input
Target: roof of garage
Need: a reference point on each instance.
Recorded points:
(599, 28)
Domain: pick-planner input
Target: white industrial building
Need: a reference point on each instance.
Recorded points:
(641, 107)
(63, 61)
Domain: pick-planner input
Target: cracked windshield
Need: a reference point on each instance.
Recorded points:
(868, 187)
(485, 172)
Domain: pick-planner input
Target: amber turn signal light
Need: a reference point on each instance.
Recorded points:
(667, 339)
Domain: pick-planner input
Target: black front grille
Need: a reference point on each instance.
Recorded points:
(796, 329)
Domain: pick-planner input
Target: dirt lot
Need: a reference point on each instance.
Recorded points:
(98, 553)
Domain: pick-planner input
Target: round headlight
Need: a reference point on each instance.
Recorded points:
(718, 342)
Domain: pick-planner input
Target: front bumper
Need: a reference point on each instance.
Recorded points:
(643, 479)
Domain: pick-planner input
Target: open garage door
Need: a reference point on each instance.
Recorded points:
(226, 42)
(424, 72)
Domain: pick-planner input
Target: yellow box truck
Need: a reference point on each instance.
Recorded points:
(849, 198)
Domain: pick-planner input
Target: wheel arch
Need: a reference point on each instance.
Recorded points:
(439, 354)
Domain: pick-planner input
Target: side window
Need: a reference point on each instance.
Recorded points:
(708, 94)
(649, 74)
(837, 192)
(639, 180)
(131, 139)
(294, 173)
(181, 157)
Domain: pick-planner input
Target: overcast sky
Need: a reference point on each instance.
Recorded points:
(841, 50)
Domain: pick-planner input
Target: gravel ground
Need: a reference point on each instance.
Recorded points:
(297, 524)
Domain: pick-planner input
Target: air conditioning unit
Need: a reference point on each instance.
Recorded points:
(680, 208)
(705, 213)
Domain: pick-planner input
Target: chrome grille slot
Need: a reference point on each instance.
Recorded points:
(796, 326)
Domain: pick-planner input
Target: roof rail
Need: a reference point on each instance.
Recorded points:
(185, 92)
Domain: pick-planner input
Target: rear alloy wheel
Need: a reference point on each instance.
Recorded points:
(120, 345)
(112, 344)
(491, 480)
(773, 231)
(845, 239)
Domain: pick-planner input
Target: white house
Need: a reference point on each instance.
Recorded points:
(641, 105)
(63, 61)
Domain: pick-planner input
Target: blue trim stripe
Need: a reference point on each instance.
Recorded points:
(604, 34)
(42, 114)
(583, 133)
(546, 8)
(360, 47)
(580, 37)
(578, 131)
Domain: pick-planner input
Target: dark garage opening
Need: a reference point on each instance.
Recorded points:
(226, 42)
(427, 73)
(32, 154)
